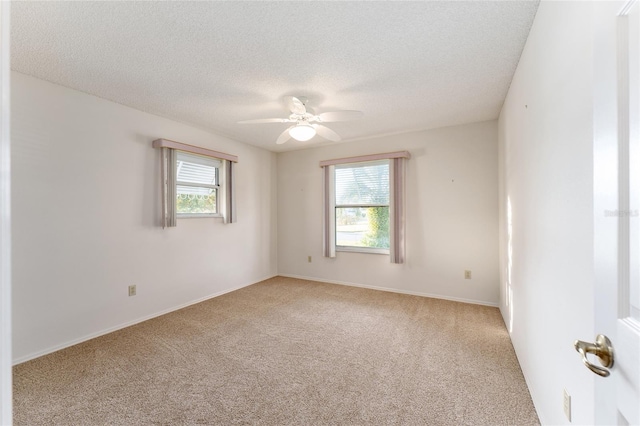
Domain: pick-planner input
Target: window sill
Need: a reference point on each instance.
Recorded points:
(366, 250)
(197, 216)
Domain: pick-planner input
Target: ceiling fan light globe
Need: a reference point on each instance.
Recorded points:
(302, 132)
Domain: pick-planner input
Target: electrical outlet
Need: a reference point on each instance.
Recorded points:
(132, 290)
(567, 405)
(467, 275)
(309, 259)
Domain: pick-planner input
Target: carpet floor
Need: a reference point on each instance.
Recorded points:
(287, 352)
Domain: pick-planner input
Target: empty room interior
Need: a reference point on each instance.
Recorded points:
(320, 213)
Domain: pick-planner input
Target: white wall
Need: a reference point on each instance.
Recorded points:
(452, 222)
(86, 214)
(6, 388)
(546, 143)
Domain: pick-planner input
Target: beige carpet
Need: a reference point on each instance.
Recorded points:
(287, 351)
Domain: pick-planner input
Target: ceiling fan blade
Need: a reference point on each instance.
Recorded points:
(327, 117)
(295, 105)
(327, 133)
(284, 136)
(265, 120)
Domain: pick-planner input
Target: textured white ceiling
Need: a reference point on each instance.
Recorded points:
(406, 65)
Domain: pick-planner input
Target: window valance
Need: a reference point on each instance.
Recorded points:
(166, 143)
(371, 157)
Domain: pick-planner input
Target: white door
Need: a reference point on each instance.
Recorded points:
(617, 207)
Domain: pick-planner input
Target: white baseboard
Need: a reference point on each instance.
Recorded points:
(393, 290)
(127, 324)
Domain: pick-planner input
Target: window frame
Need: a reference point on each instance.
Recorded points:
(336, 206)
(219, 188)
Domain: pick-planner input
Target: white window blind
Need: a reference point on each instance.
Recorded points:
(195, 169)
(362, 184)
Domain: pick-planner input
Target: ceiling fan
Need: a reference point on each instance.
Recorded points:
(307, 124)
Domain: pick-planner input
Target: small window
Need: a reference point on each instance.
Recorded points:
(362, 206)
(196, 182)
(197, 185)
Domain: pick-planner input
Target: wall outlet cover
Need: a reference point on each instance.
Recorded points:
(567, 404)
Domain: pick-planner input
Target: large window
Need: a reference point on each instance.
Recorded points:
(362, 206)
(197, 185)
